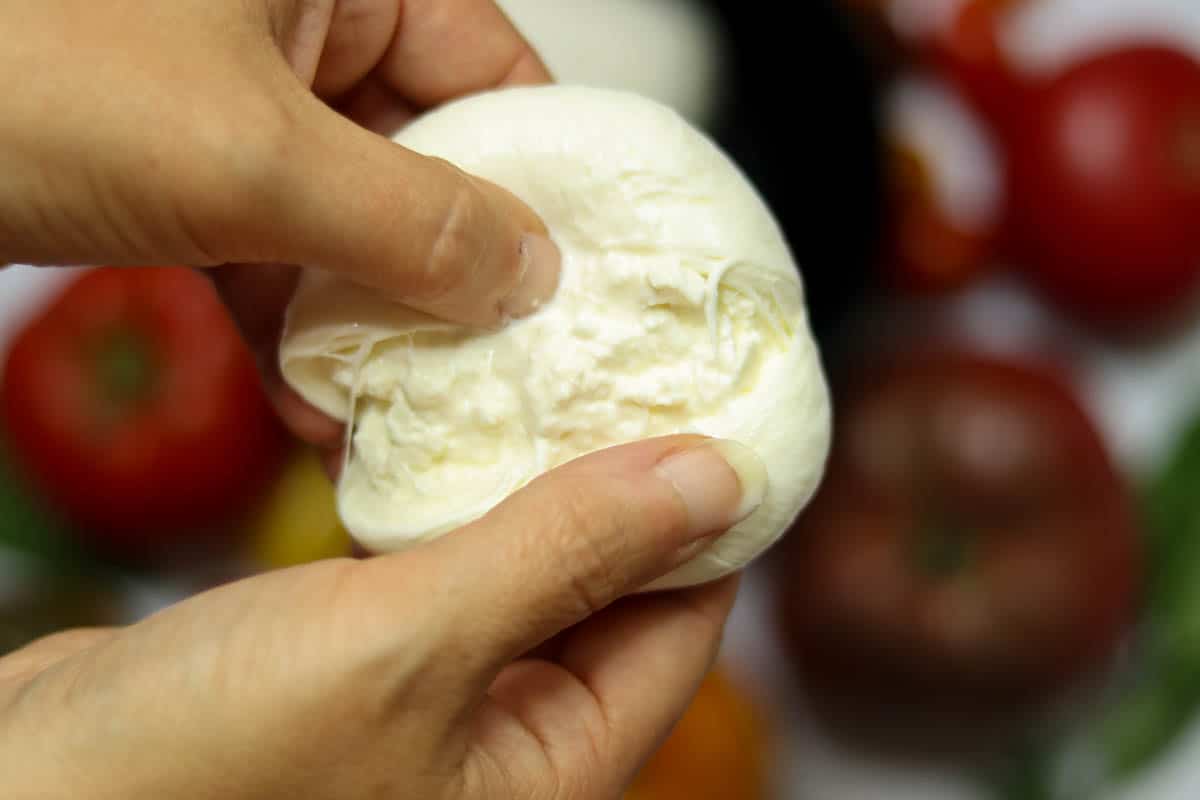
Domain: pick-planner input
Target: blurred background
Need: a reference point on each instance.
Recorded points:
(996, 594)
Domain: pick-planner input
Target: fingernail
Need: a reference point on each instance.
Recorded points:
(692, 549)
(721, 482)
(540, 264)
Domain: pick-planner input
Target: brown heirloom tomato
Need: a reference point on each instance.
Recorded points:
(972, 546)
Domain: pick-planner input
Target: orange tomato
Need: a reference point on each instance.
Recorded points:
(718, 751)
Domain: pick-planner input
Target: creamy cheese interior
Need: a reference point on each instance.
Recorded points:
(679, 310)
(635, 345)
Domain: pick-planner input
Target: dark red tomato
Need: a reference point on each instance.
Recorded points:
(971, 549)
(1107, 190)
(135, 406)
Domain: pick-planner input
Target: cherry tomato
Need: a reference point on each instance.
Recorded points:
(971, 549)
(961, 42)
(925, 250)
(968, 52)
(134, 405)
(1107, 187)
(946, 186)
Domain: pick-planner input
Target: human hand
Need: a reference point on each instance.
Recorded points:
(402, 675)
(222, 132)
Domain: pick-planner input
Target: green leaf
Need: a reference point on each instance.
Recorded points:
(1028, 777)
(1143, 725)
(1172, 514)
(1140, 723)
(27, 525)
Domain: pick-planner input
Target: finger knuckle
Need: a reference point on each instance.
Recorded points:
(359, 27)
(484, 775)
(461, 247)
(590, 758)
(238, 166)
(594, 542)
(261, 147)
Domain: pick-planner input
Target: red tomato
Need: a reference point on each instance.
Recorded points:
(972, 547)
(134, 404)
(1107, 192)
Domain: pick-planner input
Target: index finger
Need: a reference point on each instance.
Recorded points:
(444, 49)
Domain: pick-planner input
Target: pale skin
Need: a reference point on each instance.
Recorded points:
(505, 660)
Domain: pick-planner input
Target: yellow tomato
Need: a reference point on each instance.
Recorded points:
(298, 522)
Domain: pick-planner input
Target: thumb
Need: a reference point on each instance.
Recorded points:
(416, 228)
(583, 536)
